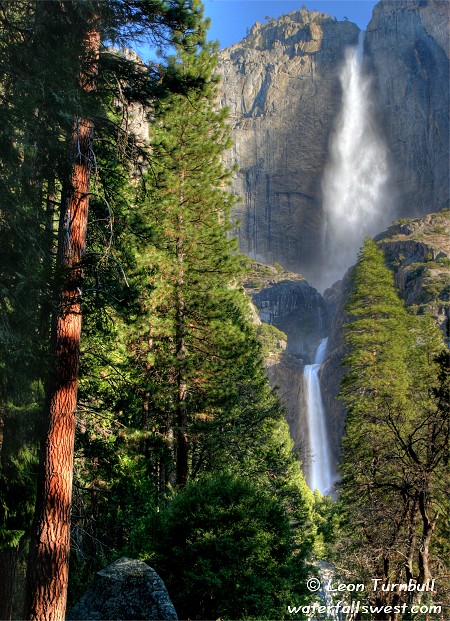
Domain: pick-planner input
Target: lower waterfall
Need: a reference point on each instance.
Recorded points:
(321, 471)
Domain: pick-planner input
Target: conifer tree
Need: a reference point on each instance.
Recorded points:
(191, 396)
(393, 465)
(49, 557)
(48, 59)
(226, 547)
(25, 254)
(196, 394)
(191, 311)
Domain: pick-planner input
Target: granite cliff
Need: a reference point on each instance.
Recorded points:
(281, 85)
(287, 301)
(282, 89)
(408, 49)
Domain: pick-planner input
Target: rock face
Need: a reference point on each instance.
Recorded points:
(418, 252)
(332, 370)
(299, 311)
(407, 43)
(127, 589)
(286, 373)
(288, 302)
(282, 89)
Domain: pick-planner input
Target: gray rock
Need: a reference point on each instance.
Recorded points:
(299, 311)
(282, 89)
(127, 589)
(286, 374)
(408, 46)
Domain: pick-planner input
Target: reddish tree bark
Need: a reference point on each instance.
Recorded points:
(49, 555)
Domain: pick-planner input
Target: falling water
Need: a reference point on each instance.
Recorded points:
(355, 182)
(321, 471)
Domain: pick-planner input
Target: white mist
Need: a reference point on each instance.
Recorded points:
(354, 184)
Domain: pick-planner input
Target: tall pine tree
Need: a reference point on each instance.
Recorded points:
(48, 59)
(185, 387)
(192, 322)
(394, 469)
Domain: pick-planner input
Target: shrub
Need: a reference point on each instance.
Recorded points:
(225, 548)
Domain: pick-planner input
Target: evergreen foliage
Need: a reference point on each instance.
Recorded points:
(271, 339)
(394, 467)
(226, 549)
(170, 356)
(180, 359)
(43, 60)
(183, 456)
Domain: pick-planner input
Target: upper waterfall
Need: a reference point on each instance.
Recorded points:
(355, 182)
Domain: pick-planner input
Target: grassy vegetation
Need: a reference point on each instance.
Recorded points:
(271, 339)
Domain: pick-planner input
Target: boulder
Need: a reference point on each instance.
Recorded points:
(127, 589)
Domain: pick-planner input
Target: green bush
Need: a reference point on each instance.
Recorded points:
(225, 548)
(269, 336)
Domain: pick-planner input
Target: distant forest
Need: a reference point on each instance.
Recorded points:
(136, 418)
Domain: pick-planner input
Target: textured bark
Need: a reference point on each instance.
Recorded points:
(409, 563)
(182, 440)
(428, 527)
(8, 563)
(49, 555)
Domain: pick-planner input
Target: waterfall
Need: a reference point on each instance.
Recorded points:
(321, 471)
(355, 182)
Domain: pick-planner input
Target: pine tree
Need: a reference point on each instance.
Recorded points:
(393, 462)
(192, 308)
(23, 261)
(191, 395)
(225, 547)
(47, 62)
(49, 558)
(195, 396)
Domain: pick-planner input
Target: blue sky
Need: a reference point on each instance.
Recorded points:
(231, 18)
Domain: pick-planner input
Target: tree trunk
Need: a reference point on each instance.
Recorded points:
(428, 527)
(8, 563)
(182, 441)
(47, 577)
